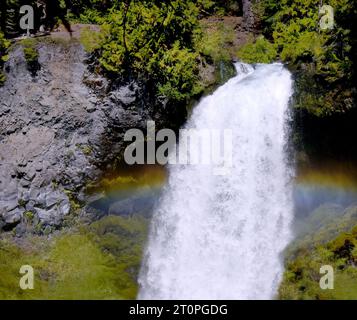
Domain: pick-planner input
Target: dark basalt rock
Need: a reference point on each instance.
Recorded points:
(60, 129)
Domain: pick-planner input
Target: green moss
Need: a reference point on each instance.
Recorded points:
(86, 149)
(324, 247)
(22, 202)
(29, 215)
(99, 261)
(75, 204)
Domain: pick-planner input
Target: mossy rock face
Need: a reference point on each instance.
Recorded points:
(225, 71)
(97, 261)
(332, 243)
(214, 75)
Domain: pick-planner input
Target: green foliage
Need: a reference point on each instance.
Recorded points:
(2, 78)
(87, 16)
(31, 55)
(90, 40)
(139, 29)
(324, 57)
(220, 7)
(153, 40)
(330, 243)
(29, 215)
(176, 72)
(4, 44)
(215, 41)
(160, 43)
(30, 51)
(148, 40)
(258, 51)
(301, 279)
(321, 226)
(100, 261)
(93, 11)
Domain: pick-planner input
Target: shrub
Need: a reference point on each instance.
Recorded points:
(160, 43)
(293, 27)
(30, 51)
(90, 39)
(258, 51)
(152, 41)
(4, 44)
(215, 41)
(31, 55)
(176, 72)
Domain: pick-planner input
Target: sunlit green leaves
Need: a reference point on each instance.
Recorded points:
(258, 51)
(153, 39)
(326, 56)
(4, 44)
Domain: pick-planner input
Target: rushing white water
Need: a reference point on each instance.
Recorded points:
(221, 237)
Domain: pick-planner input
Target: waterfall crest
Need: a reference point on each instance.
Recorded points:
(221, 237)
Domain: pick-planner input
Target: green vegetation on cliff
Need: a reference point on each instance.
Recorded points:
(323, 59)
(4, 44)
(149, 39)
(31, 55)
(157, 42)
(160, 43)
(330, 240)
(165, 45)
(259, 50)
(301, 279)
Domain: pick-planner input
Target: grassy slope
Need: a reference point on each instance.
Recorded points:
(332, 242)
(100, 261)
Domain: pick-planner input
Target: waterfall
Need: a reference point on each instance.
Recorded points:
(221, 236)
